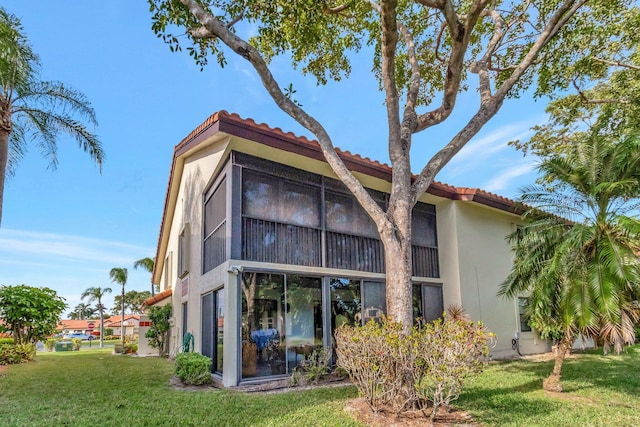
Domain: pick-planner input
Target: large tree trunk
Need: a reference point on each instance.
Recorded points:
(397, 252)
(552, 383)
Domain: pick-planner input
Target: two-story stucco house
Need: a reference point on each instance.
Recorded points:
(263, 252)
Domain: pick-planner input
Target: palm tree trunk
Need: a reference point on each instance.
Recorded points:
(552, 383)
(4, 157)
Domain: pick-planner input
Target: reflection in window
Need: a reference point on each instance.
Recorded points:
(275, 335)
(345, 302)
(345, 215)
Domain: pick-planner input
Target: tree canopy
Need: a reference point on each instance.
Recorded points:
(423, 53)
(30, 314)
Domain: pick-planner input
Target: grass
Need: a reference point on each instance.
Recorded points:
(599, 391)
(94, 387)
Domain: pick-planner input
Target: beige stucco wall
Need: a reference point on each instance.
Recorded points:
(475, 259)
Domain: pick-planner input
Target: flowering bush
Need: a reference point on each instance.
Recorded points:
(407, 370)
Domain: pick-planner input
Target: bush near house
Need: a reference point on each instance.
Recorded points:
(193, 368)
(76, 343)
(393, 369)
(16, 353)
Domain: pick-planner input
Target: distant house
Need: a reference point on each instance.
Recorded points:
(263, 252)
(131, 324)
(69, 326)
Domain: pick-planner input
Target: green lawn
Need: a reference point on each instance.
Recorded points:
(599, 391)
(94, 387)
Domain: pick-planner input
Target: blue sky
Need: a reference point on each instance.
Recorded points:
(65, 229)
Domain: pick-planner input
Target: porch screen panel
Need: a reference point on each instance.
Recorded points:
(281, 221)
(352, 238)
(214, 251)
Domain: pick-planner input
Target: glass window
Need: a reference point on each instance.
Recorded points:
(522, 315)
(432, 301)
(346, 304)
(219, 327)
(374, 301)
(304, 318)
(263, 325)
(423, 226)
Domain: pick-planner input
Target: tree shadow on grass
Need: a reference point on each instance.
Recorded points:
(513, 389)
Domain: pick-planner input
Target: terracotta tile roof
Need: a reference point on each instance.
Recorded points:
(75, 324)
(157, 298)
(114, 321)
(233, 124)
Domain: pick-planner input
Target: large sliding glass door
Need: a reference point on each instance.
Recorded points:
(281, 322)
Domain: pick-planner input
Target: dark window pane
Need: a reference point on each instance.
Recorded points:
(523, 316)
(416, 301)
(433, 303)
(345, 215)
(423, 227)
(207, 316)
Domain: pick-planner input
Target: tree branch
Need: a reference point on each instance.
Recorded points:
(334, 10)
(491, 106)
(244, 49)
(618, 64)
(481, 67)
(460, 33)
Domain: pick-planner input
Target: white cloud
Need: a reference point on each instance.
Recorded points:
(33, 245)
(487, 147)
(506, 177)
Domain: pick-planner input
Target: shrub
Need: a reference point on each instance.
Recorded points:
(50, 344)
(313, 367)
(108, 331)
(76, 343)
(6, 341)
(16, 353)
(130, 347)
(392, 368)
(193, 368)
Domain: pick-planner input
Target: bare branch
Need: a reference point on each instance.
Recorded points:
(618, 64)
(439, 42)
(248, 52)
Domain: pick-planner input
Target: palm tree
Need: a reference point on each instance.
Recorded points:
(35, 110)
(95, 294)
(147, 264)
(579, 264)
(119, 275)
